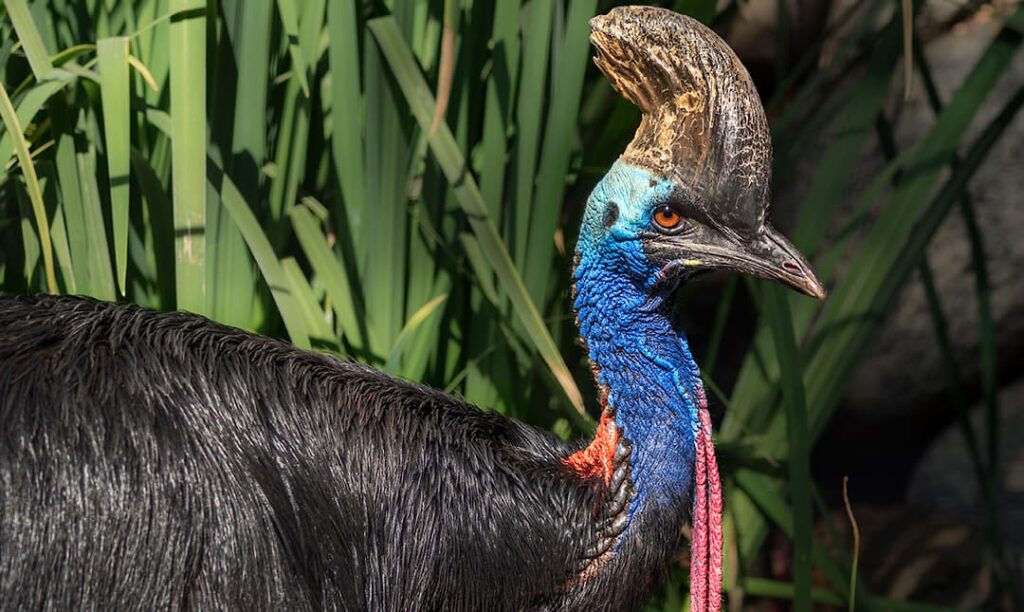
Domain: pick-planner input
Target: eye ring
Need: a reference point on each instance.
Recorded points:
(667, 218)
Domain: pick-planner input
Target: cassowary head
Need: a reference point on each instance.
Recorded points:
(691, 192)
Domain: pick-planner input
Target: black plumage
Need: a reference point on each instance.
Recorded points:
(160, 460)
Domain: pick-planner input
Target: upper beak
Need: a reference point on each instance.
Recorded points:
(767, 254)
(774, 257)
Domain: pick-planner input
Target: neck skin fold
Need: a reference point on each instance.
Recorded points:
(643, 363)
(649, 382)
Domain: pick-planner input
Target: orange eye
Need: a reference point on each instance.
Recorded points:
(667, 217)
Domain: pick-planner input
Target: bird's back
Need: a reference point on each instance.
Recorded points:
(157, 460)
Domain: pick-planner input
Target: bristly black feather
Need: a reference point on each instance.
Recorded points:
(160, 460)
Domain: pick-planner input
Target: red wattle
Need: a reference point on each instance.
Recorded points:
(706, 544)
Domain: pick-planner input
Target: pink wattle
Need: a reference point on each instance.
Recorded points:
(706, 544)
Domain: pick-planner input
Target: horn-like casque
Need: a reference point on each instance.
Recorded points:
(703, 124)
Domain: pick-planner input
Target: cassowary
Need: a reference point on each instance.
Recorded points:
(160, 460)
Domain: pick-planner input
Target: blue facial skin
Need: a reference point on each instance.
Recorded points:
(644, 361)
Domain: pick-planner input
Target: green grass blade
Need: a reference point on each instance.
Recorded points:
(567, 86)
(252, 55)
(777, 317)
(29, 241)
(761, 491)
(188, 149)
(100, 270)
(31, 40)
(854, 127)
(28, 106)
(504, 57)
(480, 266)
(390, 145)
(446, 152)
(332, 273)
(316, 321)
(347, 117)
(529, 115)
(266, 259)
(154, 49)
(243, 55)
(160, 224)
(291, 158)
(411, 327)
(116, 97)
(290, 20)
(718, 327)
(58, 229)
(28, 170)
(850, 315)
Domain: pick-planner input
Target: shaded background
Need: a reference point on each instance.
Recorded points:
(401, 183)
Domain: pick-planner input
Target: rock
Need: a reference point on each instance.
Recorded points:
(944, 479)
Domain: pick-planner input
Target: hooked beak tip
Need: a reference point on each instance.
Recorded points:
(783, 263)
(809, 286)
(792, 269)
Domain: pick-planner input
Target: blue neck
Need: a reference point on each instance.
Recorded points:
(644, 362)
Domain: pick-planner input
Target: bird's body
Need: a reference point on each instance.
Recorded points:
(160, 460)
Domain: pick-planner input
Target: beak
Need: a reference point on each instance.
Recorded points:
(774, 257)
(767, 255)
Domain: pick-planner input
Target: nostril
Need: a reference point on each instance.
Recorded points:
(791, 267)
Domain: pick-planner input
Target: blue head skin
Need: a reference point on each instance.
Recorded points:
(642, 357)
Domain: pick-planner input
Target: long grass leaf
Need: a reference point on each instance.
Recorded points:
(567, 85)
(160, 222)
(854, 124)
(241, 82)
(901, 222)
(347, 117)
(29, 241)
(316, 322)
(332, 273)
(290, 20)
(850, 315)
(188, 149)
(778, 320)
(28, 170)
(116, 94)
(986, 329)
(411, 326)
(266, 259)
(100, 270)
(390, 147)
(529, 116)
(30, 104)
(504, 59)
(58, 229)
(839, 351)
(31, 40)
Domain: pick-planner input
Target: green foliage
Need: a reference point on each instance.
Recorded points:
(281, 166)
